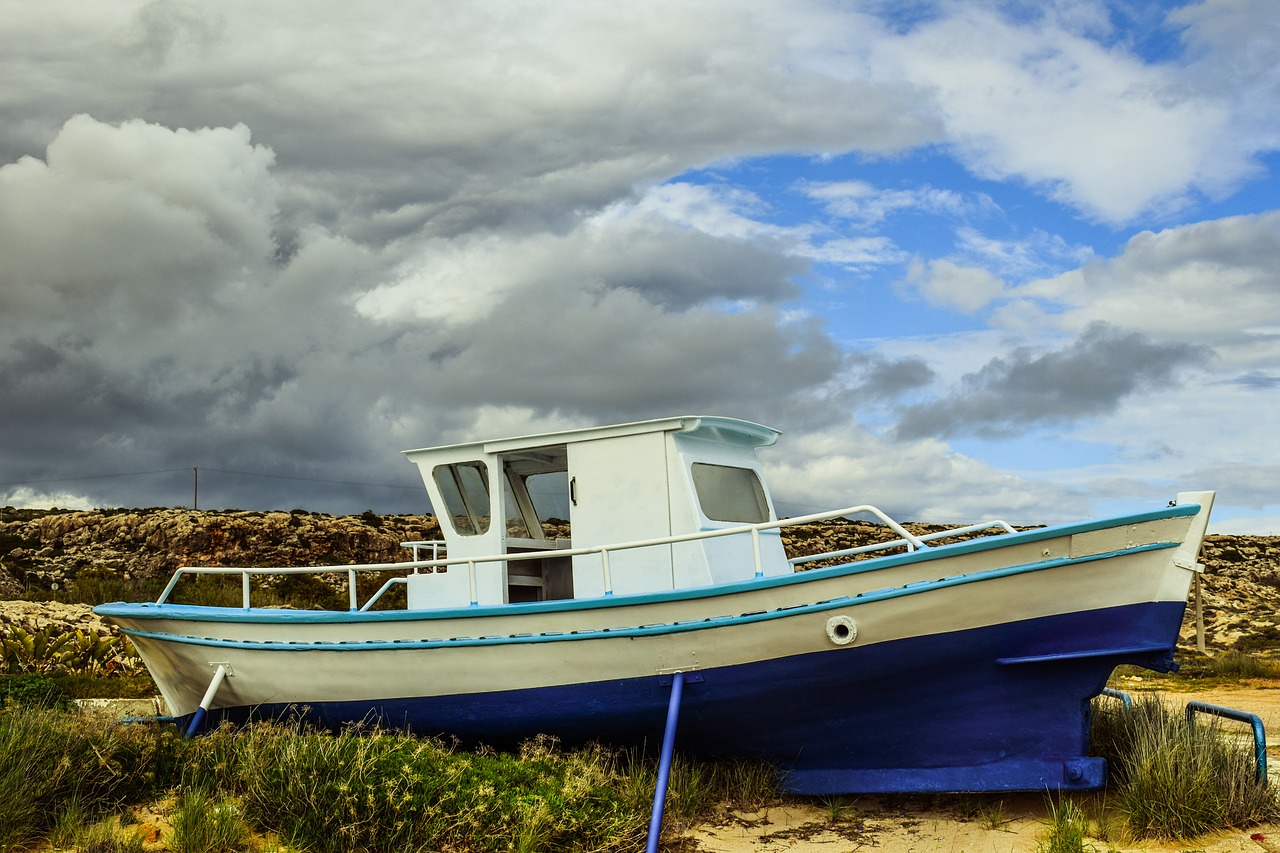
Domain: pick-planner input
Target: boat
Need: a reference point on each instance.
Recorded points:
(587, 577)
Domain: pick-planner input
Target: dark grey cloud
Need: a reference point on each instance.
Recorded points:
(158, 327)
(881, 379)
(1257, 380)
(1029, 387)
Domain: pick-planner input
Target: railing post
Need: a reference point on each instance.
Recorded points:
(244, 588)
(471, 579)
(604, 567)
(755, 551)
(352, 598)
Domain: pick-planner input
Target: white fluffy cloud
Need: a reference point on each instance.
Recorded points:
(946, 283)
(1044, 101)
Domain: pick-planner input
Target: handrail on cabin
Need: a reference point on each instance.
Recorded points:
(906, 539)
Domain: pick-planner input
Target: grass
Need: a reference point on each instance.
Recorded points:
(1174, 780)
(203, 823)
(62, 776)
(383, 791)
(359, 790)
(993, 815)
(376, 790)
(76, 832)
(838, 808)
(1198, 671)
(54, 764)
(1066, 829)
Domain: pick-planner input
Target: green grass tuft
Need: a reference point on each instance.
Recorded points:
(1174, 780)
(1066, 830)
(203, 824)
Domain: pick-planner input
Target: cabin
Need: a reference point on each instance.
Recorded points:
(581, 489)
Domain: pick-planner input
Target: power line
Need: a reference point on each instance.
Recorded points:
(311, 479)
(216, 471)
(92, 477)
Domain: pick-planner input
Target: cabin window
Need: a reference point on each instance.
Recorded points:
(726, 493)
(465, 489)
(549, 493)
(517, 527)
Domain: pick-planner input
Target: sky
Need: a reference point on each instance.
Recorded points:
(977, 260)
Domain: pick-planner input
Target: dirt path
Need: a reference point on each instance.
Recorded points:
(986, 823)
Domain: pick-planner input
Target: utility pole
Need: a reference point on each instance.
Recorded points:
(195, 488)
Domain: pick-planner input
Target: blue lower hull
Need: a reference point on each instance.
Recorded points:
(998, 708)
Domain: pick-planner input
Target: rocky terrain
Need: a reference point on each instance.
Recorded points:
(52, 555)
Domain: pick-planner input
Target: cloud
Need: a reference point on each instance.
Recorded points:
(1258, 380)
(1194, 282)
(1235, 50)
(288, 239)
(23, 497)
(701, 257)
(1029, 387)
(1248, 484)
(875, 378)
(1037, 254)
(945, 283)
(128, 207)
(158, 325)
(866, 204)
(916, 480)
(1091, 124)
(390, 120)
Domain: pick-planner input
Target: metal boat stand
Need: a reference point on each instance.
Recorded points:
(197, 719)
(664, 762)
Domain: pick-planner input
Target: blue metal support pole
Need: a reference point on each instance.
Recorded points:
(1121, 695)
(197, 719)
(664, 763)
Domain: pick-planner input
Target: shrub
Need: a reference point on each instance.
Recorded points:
(33, 691)
(95, 585)
(1234, 664)
(53, 652)
(1230, 665)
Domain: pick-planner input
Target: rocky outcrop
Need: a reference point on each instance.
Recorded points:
(39, 550)
(1240, 590)
(50, 616)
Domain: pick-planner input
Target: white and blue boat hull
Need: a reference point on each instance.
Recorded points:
(961, 667)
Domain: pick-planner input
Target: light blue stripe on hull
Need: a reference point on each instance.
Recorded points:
(1002, 707)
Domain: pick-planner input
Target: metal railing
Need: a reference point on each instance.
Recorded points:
(918, 541)
(906, 540)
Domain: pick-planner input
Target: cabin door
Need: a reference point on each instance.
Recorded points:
(535, 502)
(618, 492)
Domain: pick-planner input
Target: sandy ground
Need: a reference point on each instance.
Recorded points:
(988, 823)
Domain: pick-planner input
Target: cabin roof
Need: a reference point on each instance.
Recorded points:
(724, 430)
